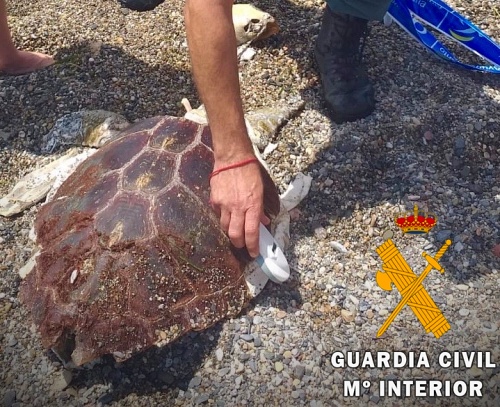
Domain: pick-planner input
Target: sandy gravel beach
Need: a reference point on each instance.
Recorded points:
(433, 140)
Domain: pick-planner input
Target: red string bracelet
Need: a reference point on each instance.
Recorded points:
(236, 165)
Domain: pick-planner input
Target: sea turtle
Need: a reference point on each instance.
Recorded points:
(130, 252)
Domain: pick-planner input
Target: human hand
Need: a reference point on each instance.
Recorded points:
(237, 197)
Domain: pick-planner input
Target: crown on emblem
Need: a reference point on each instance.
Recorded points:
(415, 223)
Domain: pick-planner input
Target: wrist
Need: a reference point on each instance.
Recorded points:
(229, 149)
(234, 165)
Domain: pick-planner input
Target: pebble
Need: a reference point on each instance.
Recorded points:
(339, 247)
(224, 371)
(202, 398)
(166, 377)
(278, 366)
(388, 234)
(474, 371)
(459, 146)
(105, 399)
(320, 233)
(464, 312)
(247, 337)
(347, 316)
(195, 382)
(12, 342)
(281, 314)
(9, 398)
(462, 287)
(219, 354)
(443, 235)
(61, 380)
(299, 371)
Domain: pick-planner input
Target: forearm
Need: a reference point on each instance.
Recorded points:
(212, 46)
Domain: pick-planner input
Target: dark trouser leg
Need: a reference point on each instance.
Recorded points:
(366, 9)
(349, 94)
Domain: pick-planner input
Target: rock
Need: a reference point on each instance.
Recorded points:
(462, 287)
(166, 377)
(459, 146)
(202, 398)
(320, 233)
(281, 314)
(347, 316)
(106, 398)
(194, 382)
(278, 366)
(307, 306)
(339, 247)
(388, 234)
(443, 235)
(12, 342)
(224, 371)
(219, 354)
(62, 380)
(299, 371)
(247, 337)
(464, 312)
(9, 398)
(474, 371)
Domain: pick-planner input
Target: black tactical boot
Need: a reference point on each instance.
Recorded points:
(348, 91)
(140, 5)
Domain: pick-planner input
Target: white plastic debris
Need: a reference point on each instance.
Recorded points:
(248, 54)
(269, 149)
(296, 191)
(34, 186)
(28, 267)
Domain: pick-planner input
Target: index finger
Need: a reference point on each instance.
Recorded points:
(252, 220)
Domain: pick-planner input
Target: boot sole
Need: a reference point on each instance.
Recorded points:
(340, 118)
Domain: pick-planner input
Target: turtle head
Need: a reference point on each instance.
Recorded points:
(251, 24)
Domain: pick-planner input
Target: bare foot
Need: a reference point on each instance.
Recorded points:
(26, 62)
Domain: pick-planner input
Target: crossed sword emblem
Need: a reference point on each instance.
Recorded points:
(398, 272)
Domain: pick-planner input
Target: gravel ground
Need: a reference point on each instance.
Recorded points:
(433, 140)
